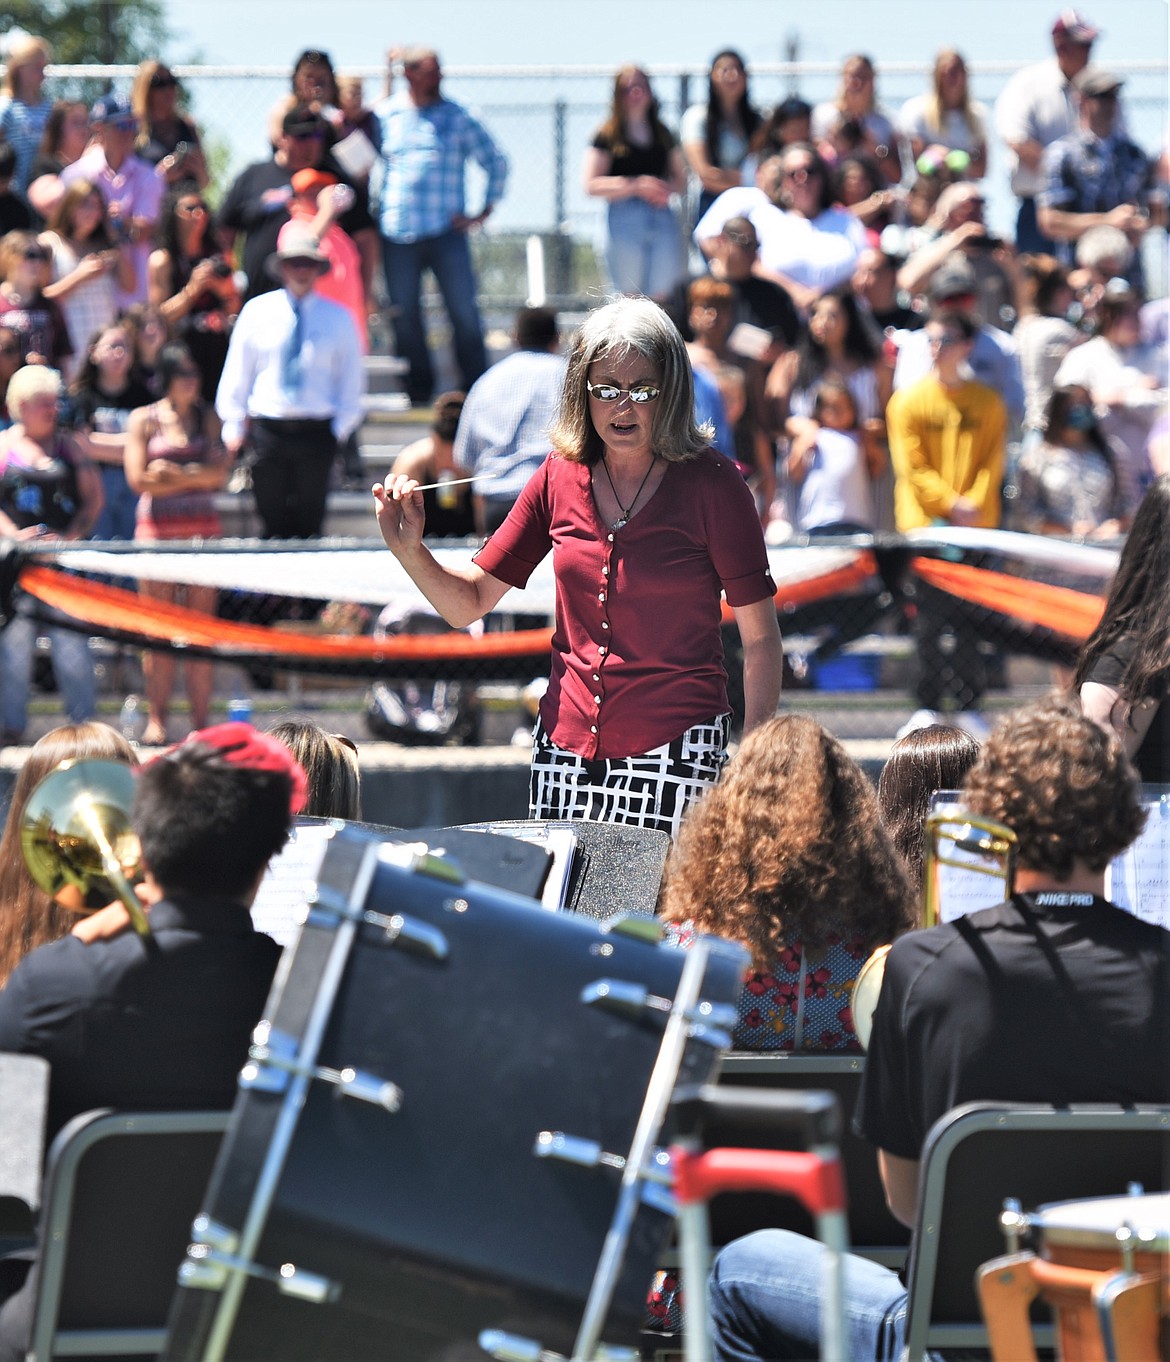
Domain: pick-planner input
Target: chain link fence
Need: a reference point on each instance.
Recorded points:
(545, 117)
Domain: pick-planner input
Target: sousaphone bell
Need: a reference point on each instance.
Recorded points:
(953, 838)
(77, 840)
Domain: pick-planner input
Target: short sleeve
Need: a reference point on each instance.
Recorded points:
(693, 127)
(1056, 191)
(888, 1106)
(522, 541)
(736, 541)
(601, 141)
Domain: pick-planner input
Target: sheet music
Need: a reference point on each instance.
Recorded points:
(290, 878)
(1139, 879)
(561, 845)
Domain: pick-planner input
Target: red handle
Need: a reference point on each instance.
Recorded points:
(817, 1183)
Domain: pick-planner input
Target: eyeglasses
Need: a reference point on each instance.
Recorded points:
(299, 262)
(610, 392)
(1106, 96)
(163, 83)
(747, 243)
(800, 174)
(114, 347)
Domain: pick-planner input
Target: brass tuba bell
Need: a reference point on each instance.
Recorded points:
(77, 840)
(953, 838)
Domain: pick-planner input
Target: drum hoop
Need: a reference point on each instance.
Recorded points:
(1148, 1215)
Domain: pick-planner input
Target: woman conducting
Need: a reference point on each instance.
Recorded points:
(647, 526)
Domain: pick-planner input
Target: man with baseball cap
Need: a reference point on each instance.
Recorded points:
(1095, 176)
(992, 360)
(129, 185)
(1036, 108)
(291, 389)
(259, 202)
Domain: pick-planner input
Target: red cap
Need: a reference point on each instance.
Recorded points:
(1073, 24)
(310, 181)
(240, 744)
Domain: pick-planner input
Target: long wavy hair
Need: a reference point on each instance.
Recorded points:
(614, 127)
(1138, 607)
(789, 846)
(859, 345)
(935, 109)
(925, 761)
(749, 116)
(28, 916)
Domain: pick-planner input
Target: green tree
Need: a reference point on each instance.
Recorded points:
(98, 31)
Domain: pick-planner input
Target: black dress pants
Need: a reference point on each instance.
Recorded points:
(291, 462)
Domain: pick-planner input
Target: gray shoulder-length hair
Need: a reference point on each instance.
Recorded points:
(631, 324)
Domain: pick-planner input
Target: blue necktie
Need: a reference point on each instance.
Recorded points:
(291, 368)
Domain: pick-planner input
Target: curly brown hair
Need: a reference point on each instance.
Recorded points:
(28, 916)
(1061, 783)
(788, 846)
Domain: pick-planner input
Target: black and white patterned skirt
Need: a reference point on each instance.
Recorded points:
(649, 791)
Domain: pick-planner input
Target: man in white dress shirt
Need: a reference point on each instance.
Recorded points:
(291, 390)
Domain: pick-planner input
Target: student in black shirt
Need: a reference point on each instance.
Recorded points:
(1054, 996)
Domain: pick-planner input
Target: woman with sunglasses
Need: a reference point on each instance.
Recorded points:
(636, 166)
(647, 526)
(192, 283)
(85, 264)
(166, 139)
(176, 461)
(36, 319)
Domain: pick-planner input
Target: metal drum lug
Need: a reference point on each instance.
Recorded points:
(575, 1149)
(407, 933)
(211, 1259)
(625, 999)
(583, 1153)
(273, 1060)
(709, 1035)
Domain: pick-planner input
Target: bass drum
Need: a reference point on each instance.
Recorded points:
(443, 1128)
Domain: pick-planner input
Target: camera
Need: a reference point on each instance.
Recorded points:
(220, 267)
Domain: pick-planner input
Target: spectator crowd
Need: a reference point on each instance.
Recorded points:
(866, 350)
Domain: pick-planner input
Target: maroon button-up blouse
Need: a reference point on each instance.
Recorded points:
(637, 656)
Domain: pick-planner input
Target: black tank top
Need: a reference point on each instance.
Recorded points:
(40, 496)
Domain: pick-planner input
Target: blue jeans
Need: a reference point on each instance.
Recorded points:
(766, 1292)
(1029, 238)
(116, 520)
(448, 257)
(643, 250)
(72, 666)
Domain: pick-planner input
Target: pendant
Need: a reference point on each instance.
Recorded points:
(617, 524)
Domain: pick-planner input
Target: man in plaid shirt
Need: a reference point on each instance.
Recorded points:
(426, 143)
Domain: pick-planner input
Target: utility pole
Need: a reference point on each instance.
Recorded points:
(792, 55)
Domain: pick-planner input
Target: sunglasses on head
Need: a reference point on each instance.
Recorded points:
(610, 392)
